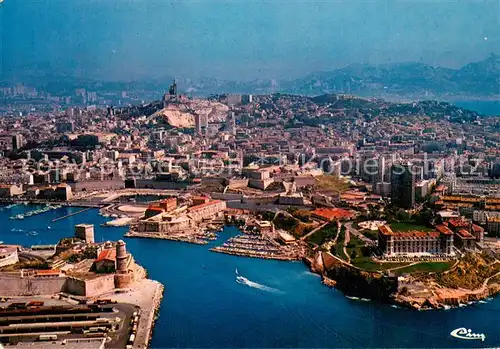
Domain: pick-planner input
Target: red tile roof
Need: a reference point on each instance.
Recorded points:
(477, 228)
(155, 208)
(441, 187)
(458, 223)
(109, 254)
(333, 213)
(47, 272)
(385, 230)
(465, 234)
(444, 229)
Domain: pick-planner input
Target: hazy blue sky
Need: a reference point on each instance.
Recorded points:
(239, 39)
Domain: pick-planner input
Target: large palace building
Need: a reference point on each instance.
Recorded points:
(415, 243)
(458, 232)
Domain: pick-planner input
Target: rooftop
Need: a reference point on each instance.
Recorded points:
(444, 229)
(464, 234)
(458, 223)
(109, 254)
(204, 205)
(333, 213)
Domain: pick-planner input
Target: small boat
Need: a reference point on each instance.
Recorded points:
(32, 233)
(19, 216)
(49, 227)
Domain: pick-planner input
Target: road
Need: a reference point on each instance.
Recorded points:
(347, 239)
(313, 231)
(358, 234)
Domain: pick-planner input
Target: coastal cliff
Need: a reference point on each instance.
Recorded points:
(351, 280)
(473, 278)
(363, 284)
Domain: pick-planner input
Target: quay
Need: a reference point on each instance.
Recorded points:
(189, 239)
(253, 254)
(257, 247)
(37, 212)
(71, 214)
(147, 296)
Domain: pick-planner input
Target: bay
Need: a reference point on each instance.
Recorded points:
(488, 108)
(275, 304)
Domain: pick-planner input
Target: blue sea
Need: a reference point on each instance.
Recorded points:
(487, 108)
(274, 304)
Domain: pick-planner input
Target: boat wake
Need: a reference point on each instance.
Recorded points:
(311, 274)
(244, 281)
(358, 299)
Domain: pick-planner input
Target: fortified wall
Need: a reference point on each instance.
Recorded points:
(89, 284)
(18, 285)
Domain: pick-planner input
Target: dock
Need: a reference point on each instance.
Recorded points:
(71, 214)
(37, 212)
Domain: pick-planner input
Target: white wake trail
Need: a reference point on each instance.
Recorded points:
(244, 281)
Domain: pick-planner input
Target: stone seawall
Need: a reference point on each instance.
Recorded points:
(26, 286)
(148, 316)
(13, 285)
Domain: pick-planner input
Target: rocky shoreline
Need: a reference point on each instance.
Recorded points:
(379, 287)
(352, 281)
(445, 298)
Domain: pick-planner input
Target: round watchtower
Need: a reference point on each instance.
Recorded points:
(121, 257)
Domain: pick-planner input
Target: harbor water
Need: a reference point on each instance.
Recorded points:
(217, 300)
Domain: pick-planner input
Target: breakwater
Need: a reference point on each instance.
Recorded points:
(71, 214)
(188, 239)
(148, 317)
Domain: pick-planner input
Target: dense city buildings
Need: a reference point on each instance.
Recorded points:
(370, 184)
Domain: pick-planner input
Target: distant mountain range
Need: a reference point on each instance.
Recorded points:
(478, 79)
(409, 81)
(390, 81)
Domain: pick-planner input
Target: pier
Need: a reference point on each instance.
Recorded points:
(257, 247)
(36, 212)
(71, 214)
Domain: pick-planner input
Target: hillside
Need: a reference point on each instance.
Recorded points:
(180, 114)
(409, 80)
(380, 107)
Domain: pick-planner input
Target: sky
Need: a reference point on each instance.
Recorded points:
(238, 39)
